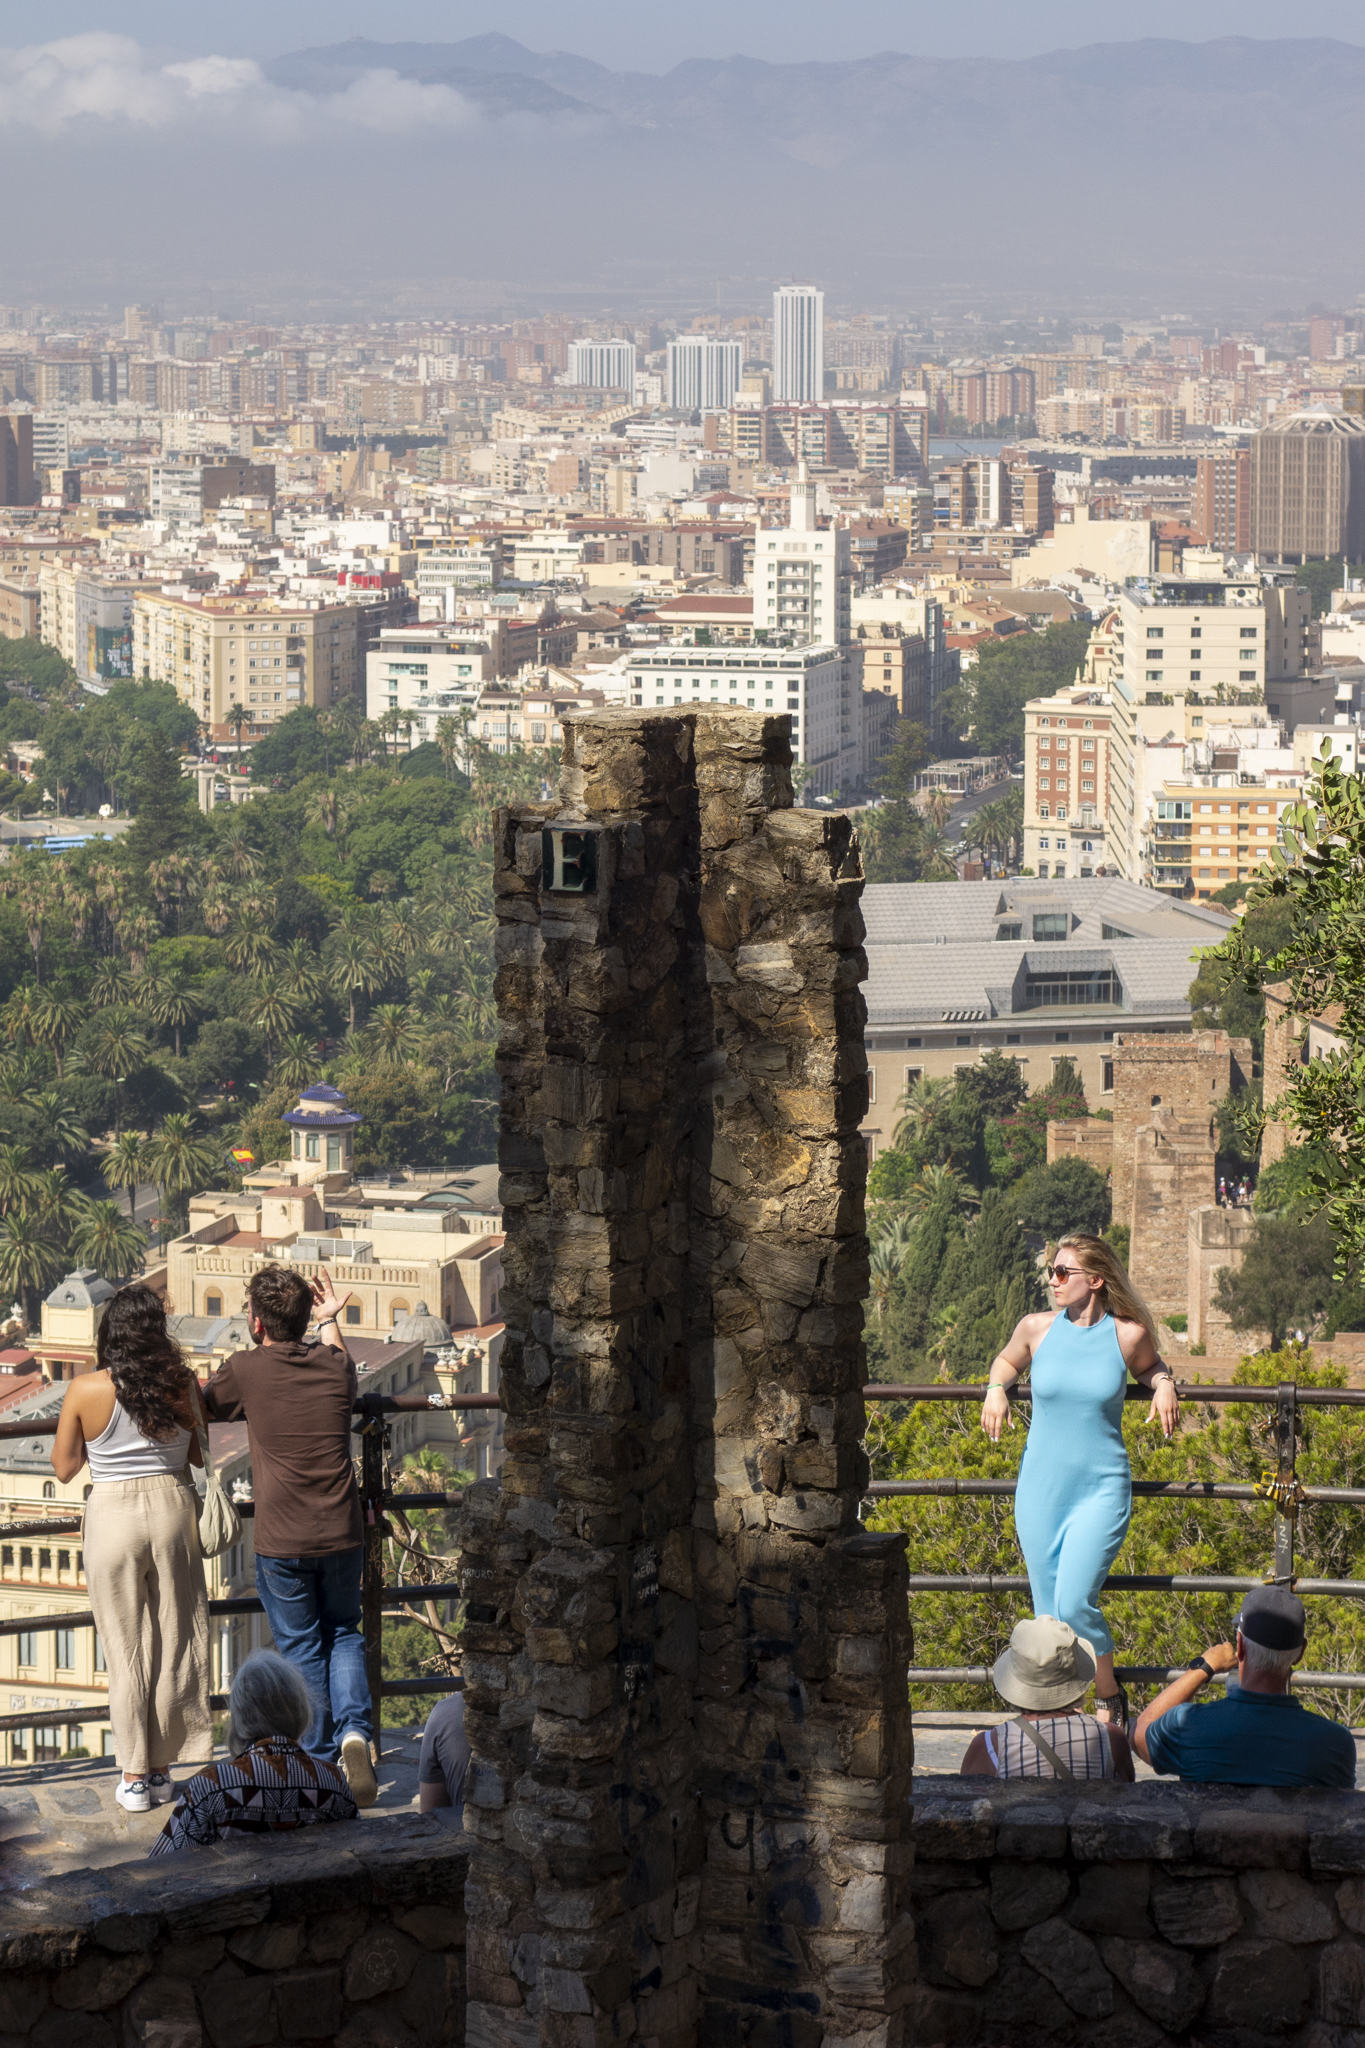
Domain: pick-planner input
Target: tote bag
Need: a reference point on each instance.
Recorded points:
(220, 1525)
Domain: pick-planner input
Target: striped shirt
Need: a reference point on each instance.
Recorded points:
(273, 1785)
(1079, 1740)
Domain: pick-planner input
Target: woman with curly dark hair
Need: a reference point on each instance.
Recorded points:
(133, 1419)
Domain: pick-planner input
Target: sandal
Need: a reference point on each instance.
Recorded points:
(1113, 1712)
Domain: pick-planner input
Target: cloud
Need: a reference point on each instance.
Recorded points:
(95, 82)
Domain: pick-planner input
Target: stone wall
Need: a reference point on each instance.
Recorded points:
(1186, 1077)
(684, 1659)
(1082, 1137)
(350, 1935)
(1217, 1239)
(1137, 1916)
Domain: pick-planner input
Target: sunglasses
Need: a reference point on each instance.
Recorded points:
(1060, 1272)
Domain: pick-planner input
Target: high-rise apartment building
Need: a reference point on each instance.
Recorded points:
(16, 458)
(186, 493)
(798, 344)
(604, 365)
(1308, 486)
(883, 437)
(1326, 332)
(803, 593)
(703, 372)
(1222, 501)
(88, 618)
(267, 656)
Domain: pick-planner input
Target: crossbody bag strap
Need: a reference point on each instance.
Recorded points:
(1026, 1727)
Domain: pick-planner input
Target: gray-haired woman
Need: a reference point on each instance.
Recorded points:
(269, 1782)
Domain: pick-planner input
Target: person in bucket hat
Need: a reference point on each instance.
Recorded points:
(1046, 1671)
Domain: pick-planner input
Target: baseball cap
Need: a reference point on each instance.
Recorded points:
(1273, 1617)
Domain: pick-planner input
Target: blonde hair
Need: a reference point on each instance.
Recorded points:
(1118, 1293)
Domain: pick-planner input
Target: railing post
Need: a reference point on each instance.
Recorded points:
(1286, 1503)
(372, 1580)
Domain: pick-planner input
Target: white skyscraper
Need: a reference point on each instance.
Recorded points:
(608, 365)
(703, 373)
(798, 344)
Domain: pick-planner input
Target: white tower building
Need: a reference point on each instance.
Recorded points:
(607, 365)
(798, 344)
(703, 373)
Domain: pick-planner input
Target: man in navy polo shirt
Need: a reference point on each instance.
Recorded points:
(1260, 1734)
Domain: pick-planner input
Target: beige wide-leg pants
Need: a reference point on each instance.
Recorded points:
(145, 1573)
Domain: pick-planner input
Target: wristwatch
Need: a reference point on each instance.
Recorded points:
(1200, 1664)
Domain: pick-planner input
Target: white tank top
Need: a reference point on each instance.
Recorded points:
(121, 1451)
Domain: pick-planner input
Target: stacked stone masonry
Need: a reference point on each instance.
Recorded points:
(1051, 1916)
(342, 1937)
(683, 1658)
(1165, 1149)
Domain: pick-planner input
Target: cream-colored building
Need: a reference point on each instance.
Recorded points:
(257, 651)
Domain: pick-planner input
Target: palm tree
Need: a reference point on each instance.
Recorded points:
(217, 908)
(55, 1021)
(393, 1035)
(479, 1011)
(300, 971)
(326, 809)
(137, 935)
(16, 1178)
(125, 1165)
(60, 1129)
(888, 1256)
(249, 949)
(110, 983)
(450, 739)
(272, 1009)
(107, 1240)
(919, 1104)
(35, 908)
(29, 1260)
(17, 1016)
(404, 927)
(939, 865)
(939, 809)
(243, 859)
(351, 967)
(940, 1184)
(297, 1063)
(180, 1159)
(171, 998)
(237, 720)
(113, 1052)
(54, 1201)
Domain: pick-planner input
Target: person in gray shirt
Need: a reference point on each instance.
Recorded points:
(444, 1760)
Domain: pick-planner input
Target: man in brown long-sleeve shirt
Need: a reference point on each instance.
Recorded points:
(297, 1400)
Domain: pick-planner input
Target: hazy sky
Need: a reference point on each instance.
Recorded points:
(625, 34)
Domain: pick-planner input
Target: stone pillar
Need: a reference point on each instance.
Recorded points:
(1217, 1238)
(684, 1659)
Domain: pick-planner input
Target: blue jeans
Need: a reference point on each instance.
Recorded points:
(313, 1607)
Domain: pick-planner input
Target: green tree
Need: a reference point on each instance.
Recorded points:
(181, 1160)
(1285, 1280)
(165, 817)
(1222, 996)
(125, 1165)
(171, 999)
(1009, 671)
(1068, 1195)
(56, 1020)
(1316, 876)
(908, 753)
(29, 1260)
(104, 1238)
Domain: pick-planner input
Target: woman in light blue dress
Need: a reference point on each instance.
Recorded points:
(1075, 1487)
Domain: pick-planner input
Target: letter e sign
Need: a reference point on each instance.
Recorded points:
(569, 861)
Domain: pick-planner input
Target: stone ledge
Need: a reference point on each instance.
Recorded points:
(406, 1860)
(1146, 1915)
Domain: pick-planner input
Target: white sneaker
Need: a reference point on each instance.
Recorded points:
(355, 1762)
(162, 1788)
(133, 1798)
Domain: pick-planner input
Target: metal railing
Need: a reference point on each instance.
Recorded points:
(1281, 1489)
(376, 1597)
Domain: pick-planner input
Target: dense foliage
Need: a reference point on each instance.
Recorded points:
(165, 996)
(961, 1202)
(986, 709)
(1315, 882)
